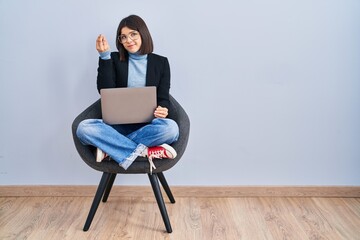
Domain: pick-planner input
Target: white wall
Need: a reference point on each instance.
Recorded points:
(272, 88)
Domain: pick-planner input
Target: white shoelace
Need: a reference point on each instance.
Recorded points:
(155, 154)
(152, 165)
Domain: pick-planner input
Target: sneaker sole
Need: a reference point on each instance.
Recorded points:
(99, 155)
(170, 150)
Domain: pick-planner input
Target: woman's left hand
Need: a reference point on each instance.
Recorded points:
(161, 112)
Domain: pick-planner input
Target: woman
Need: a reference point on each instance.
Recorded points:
(134, 65)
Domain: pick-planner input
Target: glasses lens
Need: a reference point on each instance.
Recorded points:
(122, 38)
(132, 36)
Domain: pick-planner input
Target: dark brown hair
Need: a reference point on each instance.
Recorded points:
(135, 23)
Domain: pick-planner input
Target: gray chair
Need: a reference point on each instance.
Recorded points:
(140, 166)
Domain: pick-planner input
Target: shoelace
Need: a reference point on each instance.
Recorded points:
(160, 153)
(152, 166)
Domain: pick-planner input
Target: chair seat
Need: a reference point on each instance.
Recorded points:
(140, 165)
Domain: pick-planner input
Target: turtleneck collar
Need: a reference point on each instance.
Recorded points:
(137, 56)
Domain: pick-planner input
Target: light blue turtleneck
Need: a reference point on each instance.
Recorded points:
(137, 68)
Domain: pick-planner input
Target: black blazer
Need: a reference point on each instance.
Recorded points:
(113, 73)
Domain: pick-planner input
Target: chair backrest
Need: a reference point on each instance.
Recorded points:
(140, 165)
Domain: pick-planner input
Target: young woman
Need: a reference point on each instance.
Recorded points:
(134, 65)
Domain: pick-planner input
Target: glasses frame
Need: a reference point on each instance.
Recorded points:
(137, 36)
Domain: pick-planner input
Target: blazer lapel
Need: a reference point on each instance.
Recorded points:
(150, 71)
(123, 73)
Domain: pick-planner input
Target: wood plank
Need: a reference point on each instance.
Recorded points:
(254, 218)
(186, 191)
(337, 208)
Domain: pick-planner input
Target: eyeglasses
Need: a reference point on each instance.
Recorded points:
(133, 36)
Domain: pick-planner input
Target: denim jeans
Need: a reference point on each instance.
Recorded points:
(125, 142)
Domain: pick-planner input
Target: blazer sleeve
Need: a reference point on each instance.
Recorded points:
(164, 86)
(106, 77)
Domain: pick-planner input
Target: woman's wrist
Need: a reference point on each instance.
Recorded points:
(105, 55)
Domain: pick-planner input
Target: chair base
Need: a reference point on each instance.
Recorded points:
(105, 186)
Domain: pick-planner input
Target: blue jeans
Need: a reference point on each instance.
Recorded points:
(125, 142)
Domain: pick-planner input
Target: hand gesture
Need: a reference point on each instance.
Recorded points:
(161, 112)
(102, 44)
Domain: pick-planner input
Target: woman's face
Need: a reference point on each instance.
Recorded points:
(130, 39)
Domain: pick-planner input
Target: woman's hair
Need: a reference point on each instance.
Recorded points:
(135, 23)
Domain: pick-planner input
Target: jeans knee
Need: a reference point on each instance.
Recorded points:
(172, 129)
(84, 129)
(80, 131)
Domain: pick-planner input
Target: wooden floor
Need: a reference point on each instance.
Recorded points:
(191, 218)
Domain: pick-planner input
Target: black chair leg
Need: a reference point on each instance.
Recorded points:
(160, 201)
(109, 186)
(99, 193)
(166, 187)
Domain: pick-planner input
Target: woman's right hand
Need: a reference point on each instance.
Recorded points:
(102, 44)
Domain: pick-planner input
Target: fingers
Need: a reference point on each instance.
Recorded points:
(102, 44)
(99, 43)
(161, 112)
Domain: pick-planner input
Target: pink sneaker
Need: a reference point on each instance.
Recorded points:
(162, 151)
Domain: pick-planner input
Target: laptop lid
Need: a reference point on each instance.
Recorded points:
(128, 105)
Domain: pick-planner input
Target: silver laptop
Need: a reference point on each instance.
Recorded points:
(128, 105)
